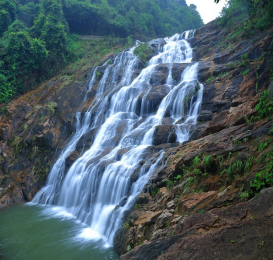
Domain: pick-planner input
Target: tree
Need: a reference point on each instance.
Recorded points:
(51, 27)
(7, 14)
(193, 7)
(21, 58)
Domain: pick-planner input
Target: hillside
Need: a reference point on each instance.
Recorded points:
(37, 39)
(120, 114)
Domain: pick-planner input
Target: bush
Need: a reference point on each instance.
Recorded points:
(265, 105)
(263, 179)
(143, 52)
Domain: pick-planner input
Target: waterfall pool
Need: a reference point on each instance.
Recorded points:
(33, 232)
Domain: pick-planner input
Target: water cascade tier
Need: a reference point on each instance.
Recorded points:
(123, 120)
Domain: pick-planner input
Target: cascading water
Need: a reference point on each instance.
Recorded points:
(102, 184)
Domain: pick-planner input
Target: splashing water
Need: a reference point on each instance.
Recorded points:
(102, 184)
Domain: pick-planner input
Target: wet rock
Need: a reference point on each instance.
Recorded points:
(71, 158)
(177, 71)
(154, 97)
(172, 138)
(205, 115)
(157, 43)
(123, 202)
(162, 134)
(199, 131)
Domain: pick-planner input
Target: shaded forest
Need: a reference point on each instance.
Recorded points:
(38, 37)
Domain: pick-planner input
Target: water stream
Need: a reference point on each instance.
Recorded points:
(103, 183)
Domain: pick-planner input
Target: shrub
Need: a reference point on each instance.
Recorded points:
(265, 105)
(263, 179)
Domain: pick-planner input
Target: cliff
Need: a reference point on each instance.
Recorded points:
(202, 204)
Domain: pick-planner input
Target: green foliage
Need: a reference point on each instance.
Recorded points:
(16, 143)
(262, 146)
(251, 120)
(249, 163)
(210, 79)
(154, 191)
(263, 178)
(177, 179)
(195, 161)
(143, 52)
(42, 118)
(245, 72)
(244, 56)
(7, 14)
(35, 43)
(265, 105)
(244, 195)
(51, 108)
(137, 206)
(169, 184)
(207, 161)
(252, 14)
(128, 17)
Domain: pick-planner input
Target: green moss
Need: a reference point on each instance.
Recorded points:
(143, 52)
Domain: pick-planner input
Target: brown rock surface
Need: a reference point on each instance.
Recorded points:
(202, 190)
(243, 231)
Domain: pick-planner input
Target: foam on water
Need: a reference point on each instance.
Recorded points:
(102, 185)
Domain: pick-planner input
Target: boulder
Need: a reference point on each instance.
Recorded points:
(205, 115)
(71, 158)
(157, 43)
(162, 134)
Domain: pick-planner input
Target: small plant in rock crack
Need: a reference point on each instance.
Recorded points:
(195, 161)
(262, 146)
(249, 163)
(154, 191)
(263, 179)
(207, 161)
(265, 105)
(168, 224)
(169, 184)
(237, 142)
(137, 206)
(51, 108)
(177, 179)
(244, 195)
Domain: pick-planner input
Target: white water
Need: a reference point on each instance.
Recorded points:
(99, 187)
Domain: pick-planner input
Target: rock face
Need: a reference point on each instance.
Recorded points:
(201, 204)
(243, 231)
(33, 129)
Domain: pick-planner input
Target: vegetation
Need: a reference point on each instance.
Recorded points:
(265, 105)
(251, 14)
(37, 40)
(143, 52)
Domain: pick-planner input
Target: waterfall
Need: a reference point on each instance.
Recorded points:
(102, 184)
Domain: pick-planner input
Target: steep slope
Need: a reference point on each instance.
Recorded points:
(35, 127)
(195, 205)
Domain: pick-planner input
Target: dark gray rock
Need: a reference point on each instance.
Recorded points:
(172, 138)
(199, 131)
(162, 133)
(205, 115)
(157, 43)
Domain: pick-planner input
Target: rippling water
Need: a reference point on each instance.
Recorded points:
(29, 232)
